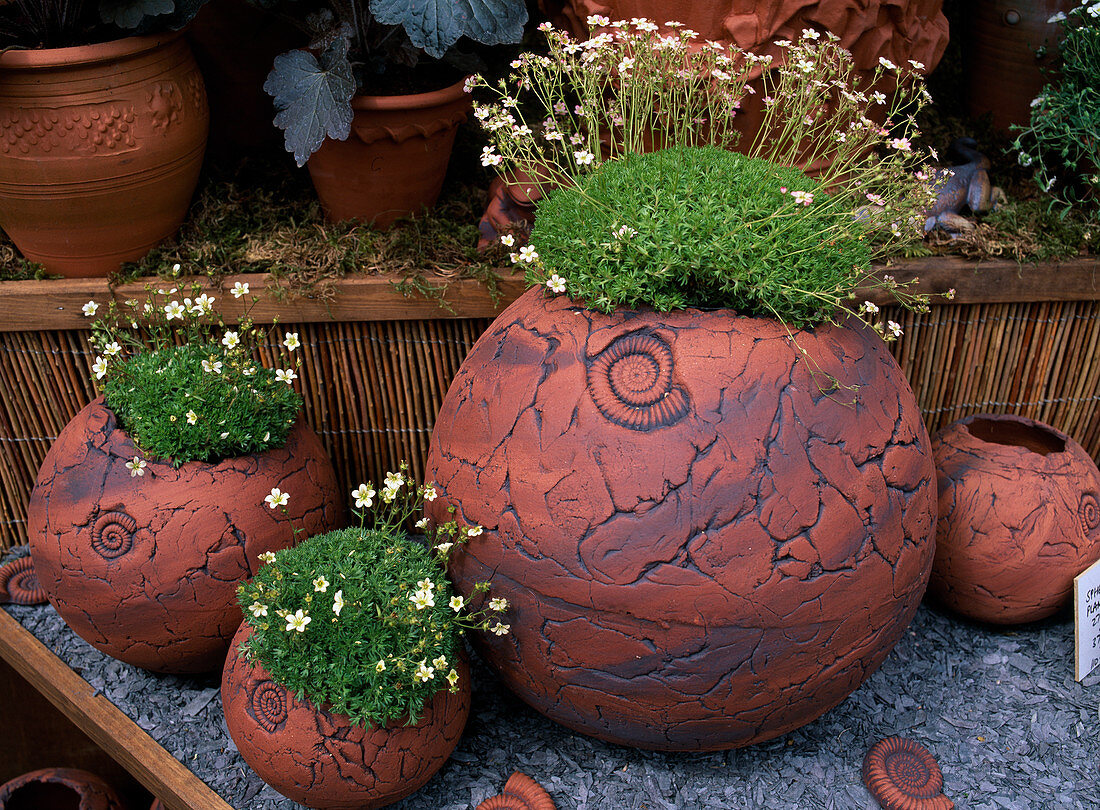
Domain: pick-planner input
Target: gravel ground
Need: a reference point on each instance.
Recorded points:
(999, 710)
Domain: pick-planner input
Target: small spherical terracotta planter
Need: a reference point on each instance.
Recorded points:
(318, 758)
(393, 163)
(1019, 518)
(703, 546)
(58, 789)
(145, 568)
(100, 149)
(19, 583)
(903, 775)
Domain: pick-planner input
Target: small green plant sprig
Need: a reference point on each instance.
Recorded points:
(1062, 140)
(184, 385)
(364, 620)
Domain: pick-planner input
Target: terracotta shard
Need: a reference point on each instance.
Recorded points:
(19, 583)
(521, 792)
(702, 543)
(902, 775)
(1019, 518)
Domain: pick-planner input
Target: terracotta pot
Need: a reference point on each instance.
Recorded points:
(58, 789)
(702, 547)
(1019, 518)
(318, 758)
(1004, 68)
(100, 150)
(19, 584)
(146, 568)
(393, 163)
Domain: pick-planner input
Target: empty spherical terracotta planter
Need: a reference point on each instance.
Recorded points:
(320, 759)
(58, 789)
(393, 163)
(1019, 518)
(100, 149)
(145, 568)
(704, 545)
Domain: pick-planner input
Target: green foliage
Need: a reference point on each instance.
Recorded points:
(61, 23)
(176, 408)
(364, 619)
(1062, 141)
(703, 227)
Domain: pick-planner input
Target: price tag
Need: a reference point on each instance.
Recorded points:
(1086, 621)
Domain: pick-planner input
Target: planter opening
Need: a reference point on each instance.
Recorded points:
(1017, 434)
(43, 796)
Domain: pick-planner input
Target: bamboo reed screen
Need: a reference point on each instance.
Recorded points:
(372, 388)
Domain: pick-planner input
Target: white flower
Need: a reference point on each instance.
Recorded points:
(490, 158)
(901, 144)
(429, 493)
(297, 621)
(473, 531)
(320, 585)
(248, 371)
(498, 604)
(426, 585)
(894, 327)
(583, 157)
(1061, 15)
(203, 304)
(380, 666)
(173, 310)
(422, 523)
(804, 197)
(441, 547)
(394, 480)
(277, 498)
(285, 375)
(388, 494)
(470, 83)
(136, 467)
(423, 672)
(89, 309)
(212, 367)
(501, 629)
(452, 677)
(338, 602)
(364, 496)
(507, 240)
(231, 340)
(457, 603)
(258, 610)
(291, 341)
(556, 283)
(100, 368)
(422, 599)
(624, 232)
(111, 349)
(239, 289)
(527, 254)
(267, 556)
(870, 307)
(192, 417)
(886, 63)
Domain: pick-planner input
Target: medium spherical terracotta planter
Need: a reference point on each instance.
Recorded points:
(318, 758)
(393, 163)
(1019, 518)
(100, 150)
(58, 789)
(146, 568)
(703, 547)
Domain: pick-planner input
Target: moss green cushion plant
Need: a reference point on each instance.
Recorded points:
(701, 227)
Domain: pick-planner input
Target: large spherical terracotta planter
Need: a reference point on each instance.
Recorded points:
(100, 150)
(1019, 518)
(318, 758)
(702, 546)
(393, 163)
(146, 568)
(58, 789)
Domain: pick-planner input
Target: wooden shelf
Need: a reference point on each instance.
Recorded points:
(56, 304)
(114, 732)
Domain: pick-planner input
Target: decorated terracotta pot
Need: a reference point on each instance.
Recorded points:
(100, 150)
(1019, 518)
(145, 568)
(707, 537)
(318, 758)
(393, 163)
(58, 789)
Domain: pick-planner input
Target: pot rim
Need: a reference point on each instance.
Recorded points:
(411, 101)
(75, 55)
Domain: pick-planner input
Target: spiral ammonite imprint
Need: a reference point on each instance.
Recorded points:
(113, 534)
(19, 583)
(902, 775)
(521, 792)
(268, 705)
(631, 383)
(1089, 512)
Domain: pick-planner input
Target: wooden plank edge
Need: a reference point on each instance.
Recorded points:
(56, 304)
(107, 726)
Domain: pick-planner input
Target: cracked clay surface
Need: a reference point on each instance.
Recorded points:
(318, 758)
(703, 547)
(1016, 524)
(146, 568)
